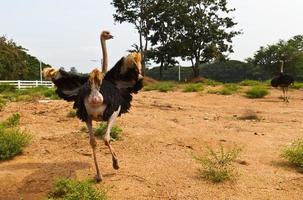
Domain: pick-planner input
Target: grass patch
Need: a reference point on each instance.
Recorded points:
(7, 88)
(30, 94)
(257, 92)
(12, 139)
(218, 166)
(193, 87)
(250, 83)
(211, 82)
(294, 153)
(297, 86)
(2, 103)
(67, 189)
(11, 122)
(228, 89)
(72, 113)
(161, 86)
(116, 132)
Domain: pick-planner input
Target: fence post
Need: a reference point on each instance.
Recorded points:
(36, 83)
(19, 85)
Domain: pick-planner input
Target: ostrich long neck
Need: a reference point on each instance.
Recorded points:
(104, 54)
(282, 66)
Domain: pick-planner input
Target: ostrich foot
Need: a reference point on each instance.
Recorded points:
(98, 178)
(115, 163)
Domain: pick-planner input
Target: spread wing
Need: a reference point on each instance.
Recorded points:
(68, 84)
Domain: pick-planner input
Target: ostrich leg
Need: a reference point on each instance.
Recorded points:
(284, 96)
(93, 144)
(287, 97)
(110, 124)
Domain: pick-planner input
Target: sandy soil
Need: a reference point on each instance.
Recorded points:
(161, 135)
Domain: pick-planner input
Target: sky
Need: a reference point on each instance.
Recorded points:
(66, 33)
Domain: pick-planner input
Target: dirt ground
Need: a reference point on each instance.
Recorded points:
(161, 135)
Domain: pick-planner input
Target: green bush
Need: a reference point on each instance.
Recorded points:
(66, 189)
(212, 82)
(193, 87)
(294, 153)
(218, 166)
(115, 132)
(12, 139)
(257, 92)
(250, 83)
(228, 89)
(7, 88)
(11, 122)
(297, 85)
(2, 103)
(161, 86)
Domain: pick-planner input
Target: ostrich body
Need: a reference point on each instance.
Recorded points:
(101, 97)
(284, 81)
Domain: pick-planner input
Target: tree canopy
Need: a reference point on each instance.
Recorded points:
(16, 63)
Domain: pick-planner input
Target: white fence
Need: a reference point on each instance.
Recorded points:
(28, 84)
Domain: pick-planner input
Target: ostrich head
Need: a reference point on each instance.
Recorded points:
(95, 80)
(105, 35)
(132, 68)
(49, 73)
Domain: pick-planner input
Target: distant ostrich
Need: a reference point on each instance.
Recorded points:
(284, 81)
(98, 97)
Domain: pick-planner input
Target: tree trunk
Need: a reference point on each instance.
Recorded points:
(161, 71)
(195, 68)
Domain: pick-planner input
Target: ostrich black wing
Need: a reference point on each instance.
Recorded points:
(83, 92)
(68, 84)
(275, 82)
(113, 98)
(287, 79)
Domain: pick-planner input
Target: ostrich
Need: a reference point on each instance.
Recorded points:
(99, 96)
(284, 81)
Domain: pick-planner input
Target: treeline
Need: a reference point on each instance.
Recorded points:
(262, 66)
(197, 31)
(16, 63)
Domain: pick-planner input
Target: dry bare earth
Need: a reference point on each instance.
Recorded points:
(161, 134)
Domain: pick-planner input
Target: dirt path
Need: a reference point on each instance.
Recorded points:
(160, 136)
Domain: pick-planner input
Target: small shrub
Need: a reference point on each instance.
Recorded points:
(12, 139)
(294, 153)
(12, 121)
(297, 85)
(193, 87)
(115, 132)
(257, 92)
(212, 82)
(250, 83)
(2, 103)
(228, 89)
(67, 189)
(72, 113)
(218, 166)
(7, 88)
(161, 86)
(51, 94)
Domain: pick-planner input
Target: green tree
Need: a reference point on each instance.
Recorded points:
(291, 52)
(135, 12)
(204, 31)
(16, 63)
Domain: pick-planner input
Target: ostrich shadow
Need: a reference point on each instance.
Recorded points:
(38, 183)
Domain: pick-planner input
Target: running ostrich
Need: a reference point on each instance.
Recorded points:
(284, 81)
(101, 96)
